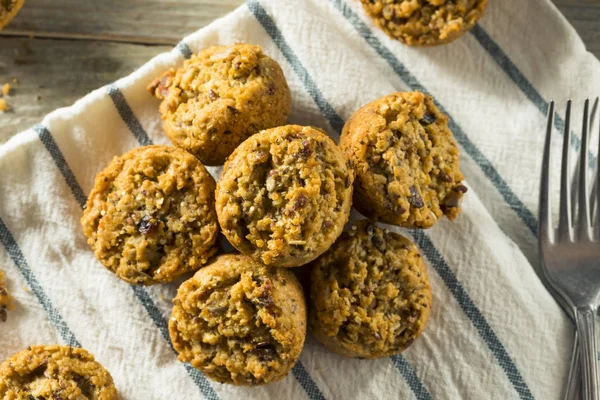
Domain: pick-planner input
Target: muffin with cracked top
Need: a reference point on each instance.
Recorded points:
(55, 372)
(239, 321)
(425, 22)
(220, 97)
(150, 216)
(405, 159)
(370, 293)
(284, 195)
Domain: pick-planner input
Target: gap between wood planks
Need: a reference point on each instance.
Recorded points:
(92, 37)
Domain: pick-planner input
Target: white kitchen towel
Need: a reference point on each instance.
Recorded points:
(494, 332)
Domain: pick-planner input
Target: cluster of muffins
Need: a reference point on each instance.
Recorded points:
(282, 200)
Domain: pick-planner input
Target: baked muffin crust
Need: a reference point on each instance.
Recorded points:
(239, 321)
(57, 373)
(284, 195)
(370, 293)
(425, 22)
(220, 97)
(150, 216)
(405, 159)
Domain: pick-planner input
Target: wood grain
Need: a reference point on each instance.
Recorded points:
(584, 15)
(55, 73)
(133, 21)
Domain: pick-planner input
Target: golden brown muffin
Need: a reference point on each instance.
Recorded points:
(151, 215)
(425, 22)
(239, 321)
(405, 159)
(370, 294)
(220, 97)
(8, 10)
(284, 195)
(6, 300)
(55, 373)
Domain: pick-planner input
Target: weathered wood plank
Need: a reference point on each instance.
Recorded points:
(584, 15)
(149, 21)
(55, 73)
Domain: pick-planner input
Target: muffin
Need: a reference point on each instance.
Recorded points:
(151, 215)
(8, 10)
(55, 372)
(425, 22)
(406, 161)
(284, 195)
(6, 300)
(239, 321)
(219, 98)
(370, 294)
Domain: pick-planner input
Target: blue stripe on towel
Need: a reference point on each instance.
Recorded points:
(307, 383)
(334, 120)
(161, 324)
(127, 115)
(184, 49)
(139, 292)
(486, 166)
(411, 378)
(18, 258)
(464, 300)
(513, 72)
(56, 154)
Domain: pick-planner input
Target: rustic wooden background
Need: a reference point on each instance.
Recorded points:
(60, 50)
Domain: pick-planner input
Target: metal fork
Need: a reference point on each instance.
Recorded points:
(571, 252)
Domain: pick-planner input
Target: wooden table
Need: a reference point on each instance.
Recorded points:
(60, 50)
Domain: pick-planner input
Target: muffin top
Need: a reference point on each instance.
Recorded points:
(370, 293)
(239, 321)
(284, 195)
(405, 159)
(425, 22)
(8, 9)
(55, 372)
(6, 300)
(221, 96)
(150, 216)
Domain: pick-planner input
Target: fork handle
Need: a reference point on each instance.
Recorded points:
(586, 326)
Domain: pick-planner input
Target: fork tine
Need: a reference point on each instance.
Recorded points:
(565, 217)
(583, 221)
(545, 227)
(593, 192)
